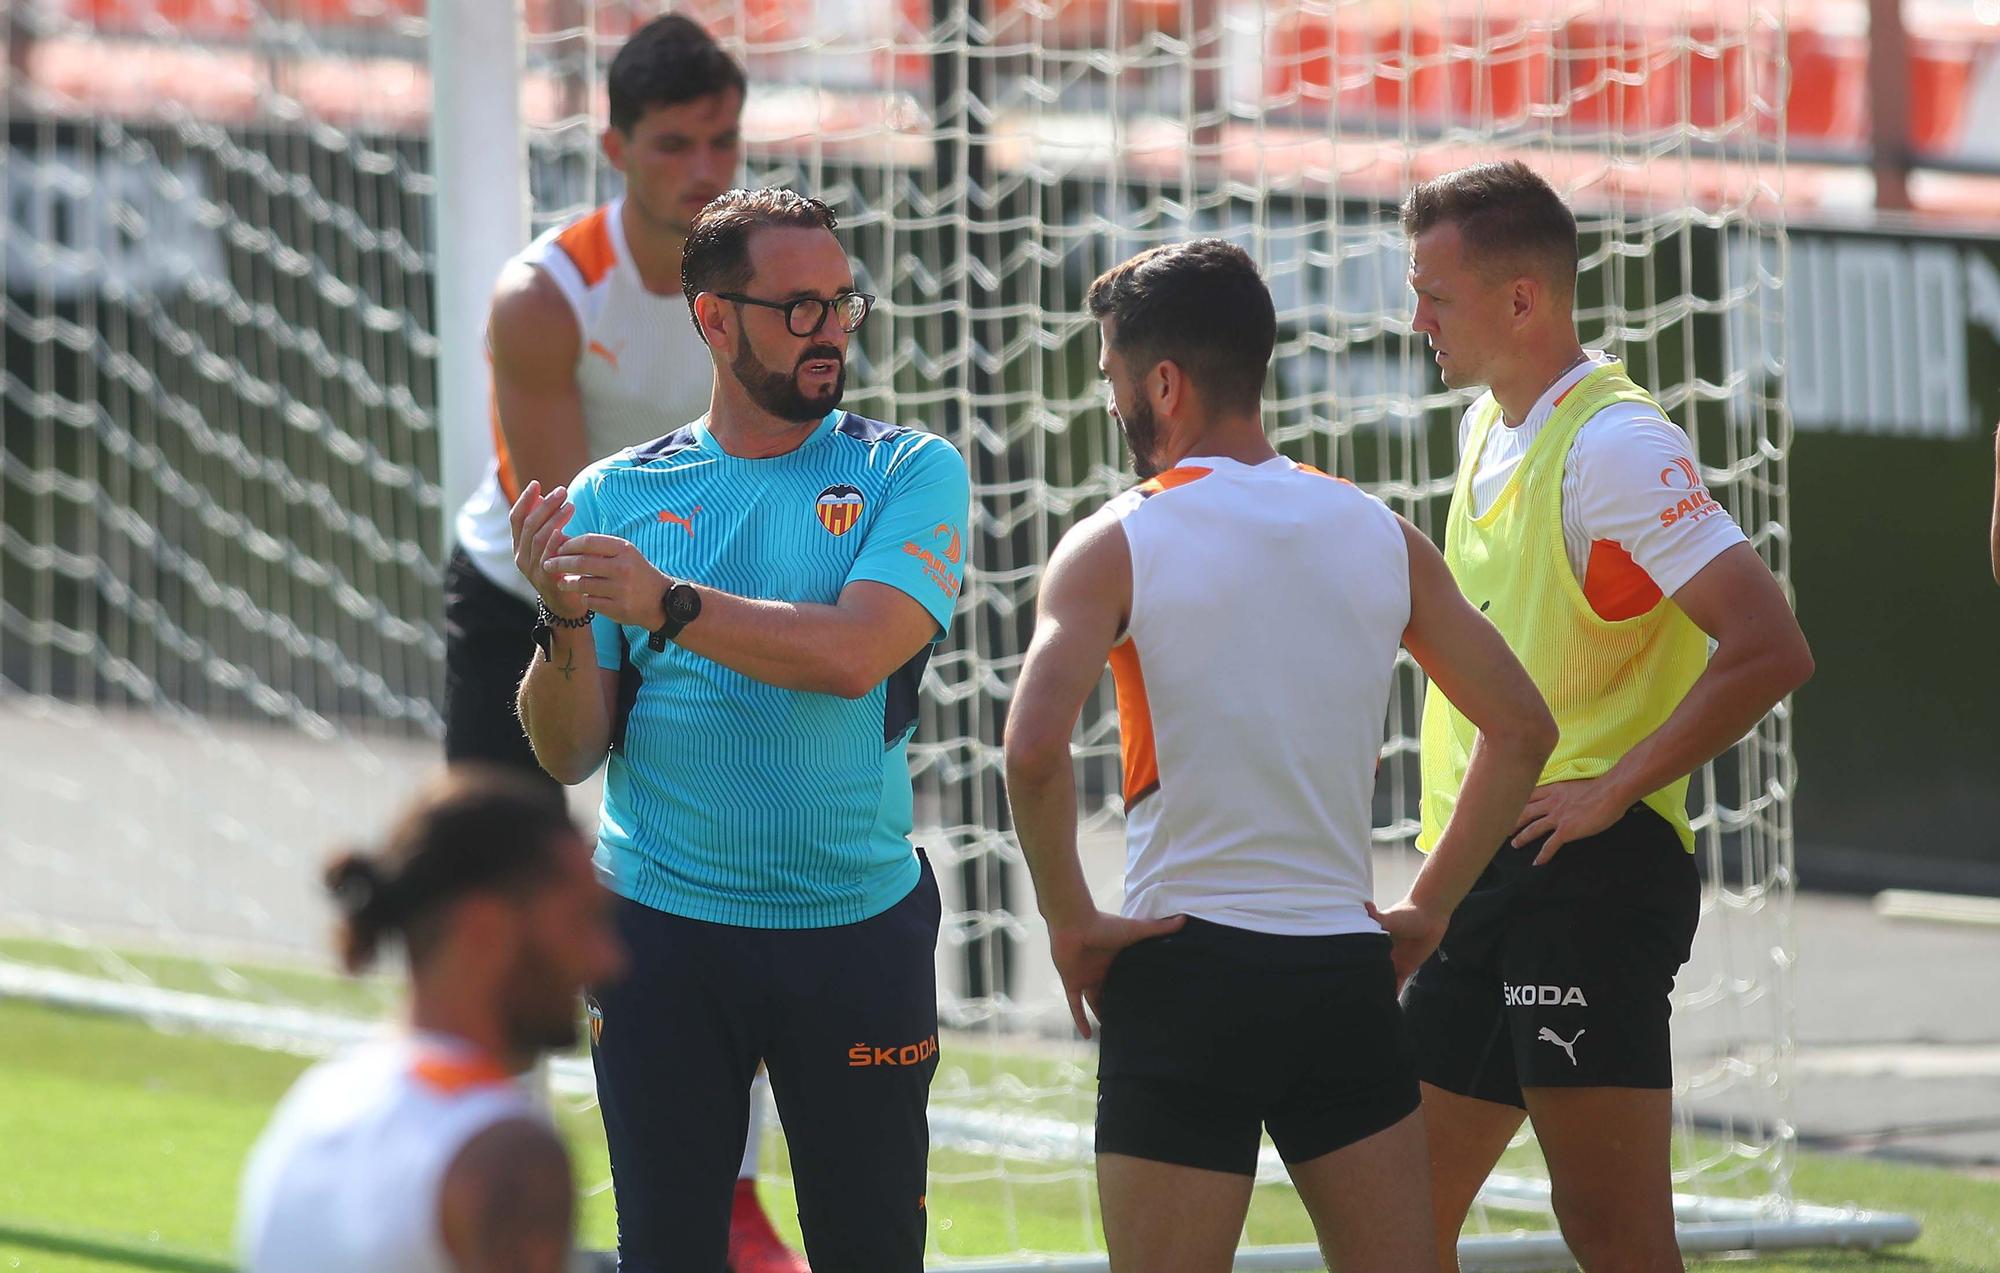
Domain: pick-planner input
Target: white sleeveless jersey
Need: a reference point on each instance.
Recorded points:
(346, 1177)
(641, 367)
(1268, 603)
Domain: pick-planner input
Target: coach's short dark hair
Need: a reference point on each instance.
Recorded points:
(1200, 305)
(477, 829)
(716, 257)
(1509, 217)
(668, 61)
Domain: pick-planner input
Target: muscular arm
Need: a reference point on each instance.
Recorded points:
(1719, 582)
(567, 705)
(534, 342)
(1760, 656)
(566, 702)
(1086, 591)
(846, 648)
(507, 1202)
(1469, 663)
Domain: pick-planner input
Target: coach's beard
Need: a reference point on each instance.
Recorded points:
(778, 392)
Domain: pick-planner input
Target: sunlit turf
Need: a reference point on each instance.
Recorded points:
(122, 1147)
(302, 988)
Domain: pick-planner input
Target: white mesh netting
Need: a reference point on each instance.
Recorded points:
(220, 509)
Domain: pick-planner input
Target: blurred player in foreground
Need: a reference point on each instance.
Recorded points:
(425, 1152)
(1251, 609)
(1582, 526)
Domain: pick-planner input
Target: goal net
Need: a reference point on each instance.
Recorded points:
(225, 474)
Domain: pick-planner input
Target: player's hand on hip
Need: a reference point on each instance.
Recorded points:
(1566, 811)
(537, 520)
(1083, 953)
(1413, 934)
(612, 577)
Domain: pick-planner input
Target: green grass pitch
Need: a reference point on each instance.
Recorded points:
(120, 1148)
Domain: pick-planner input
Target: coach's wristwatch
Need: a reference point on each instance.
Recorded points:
(547, 621)
(682, 605)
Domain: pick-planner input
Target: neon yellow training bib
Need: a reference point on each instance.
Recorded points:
(1609, 684)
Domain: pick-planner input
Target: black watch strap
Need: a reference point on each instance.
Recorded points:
(680, 604)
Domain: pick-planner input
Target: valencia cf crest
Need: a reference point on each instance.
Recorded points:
(596, 1014)
(839, 508)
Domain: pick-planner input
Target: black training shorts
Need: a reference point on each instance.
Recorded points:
(489, 636)
(1560, 975)
(1212, 1035)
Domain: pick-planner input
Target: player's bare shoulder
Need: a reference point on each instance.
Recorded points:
(532, 327)
(507, 1199)
(1355, 510)
(1093, 557)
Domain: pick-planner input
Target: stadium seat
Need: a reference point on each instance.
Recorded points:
(1498, 69)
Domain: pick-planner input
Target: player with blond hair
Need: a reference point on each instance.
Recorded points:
(1582, 525)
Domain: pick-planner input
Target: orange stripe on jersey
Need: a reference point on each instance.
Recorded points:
(510, 481)
(1616, 586)
(587, 243)
(452, 1075)
(1172, 478)
(1307, 468)
(1135, 718)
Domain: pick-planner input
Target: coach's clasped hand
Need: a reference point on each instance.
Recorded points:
(581, 574)
(611, 576)
(537, 519)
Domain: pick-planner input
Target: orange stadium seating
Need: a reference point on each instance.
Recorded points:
(1382, 60)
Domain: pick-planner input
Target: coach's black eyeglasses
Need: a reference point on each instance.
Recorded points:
(804, 315)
